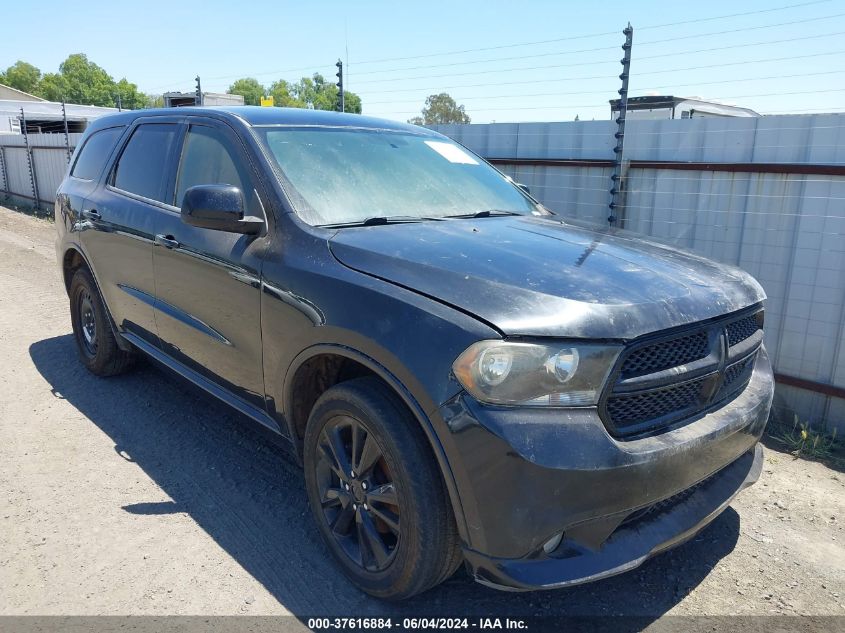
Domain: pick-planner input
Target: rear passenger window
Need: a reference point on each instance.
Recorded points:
(93, 155)
(207, 160)
(141, 167)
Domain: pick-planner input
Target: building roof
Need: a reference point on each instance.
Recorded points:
(52, 110)
(7, 92)
(650, 102)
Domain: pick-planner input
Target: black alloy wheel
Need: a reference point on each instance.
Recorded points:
(357, 494)
(376, 492)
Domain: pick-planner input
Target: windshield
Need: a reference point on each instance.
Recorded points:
(342, 176)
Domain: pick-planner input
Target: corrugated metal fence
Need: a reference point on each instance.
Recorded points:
(766, 194)
(49, 160)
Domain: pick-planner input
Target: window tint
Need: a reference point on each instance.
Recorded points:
(207, 160)
(93, 155)
(141, 167)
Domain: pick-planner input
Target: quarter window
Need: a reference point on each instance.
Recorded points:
(207, 160)
(93, 155)
(141, 168)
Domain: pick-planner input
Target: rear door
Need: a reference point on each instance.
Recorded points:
(208, 282)
(120, 217)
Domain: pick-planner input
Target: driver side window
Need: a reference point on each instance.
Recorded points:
(207, 160)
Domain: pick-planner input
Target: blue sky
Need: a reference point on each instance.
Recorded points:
(794, 56)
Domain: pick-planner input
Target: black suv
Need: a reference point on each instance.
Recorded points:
(465, 376)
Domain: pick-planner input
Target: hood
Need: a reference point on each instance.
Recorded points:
(534, 276)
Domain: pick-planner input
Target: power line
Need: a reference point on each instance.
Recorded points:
(590, 35)
(513, 45)
(534, 81)
(503, 70)
(604, 92)
(605, 48)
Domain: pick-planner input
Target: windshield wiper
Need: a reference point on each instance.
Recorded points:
(378, 220)
(486, 213)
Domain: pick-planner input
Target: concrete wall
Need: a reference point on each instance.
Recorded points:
(760, 212)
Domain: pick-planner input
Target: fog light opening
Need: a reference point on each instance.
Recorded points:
(551, 545)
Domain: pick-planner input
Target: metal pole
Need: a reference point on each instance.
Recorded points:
(67, 136)
(617, 187)
(198, 98)
(3, 169)
(30, 162)
(339, 76)
(119, 103)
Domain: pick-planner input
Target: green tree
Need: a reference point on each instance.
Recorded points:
(284, 95)
(154, 101)
(81, 81)
(22, 76)
(441, 108)
(52, 87)
(249, 89)
(317, 94)
(131, 98)
(312, 92)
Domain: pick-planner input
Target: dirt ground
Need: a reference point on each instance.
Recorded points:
(137, 495)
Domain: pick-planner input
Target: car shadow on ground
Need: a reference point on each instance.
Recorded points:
(248, 496)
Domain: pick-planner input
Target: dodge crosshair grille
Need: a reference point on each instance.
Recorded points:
(662, 380)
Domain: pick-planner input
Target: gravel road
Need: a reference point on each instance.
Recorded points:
(137, 495)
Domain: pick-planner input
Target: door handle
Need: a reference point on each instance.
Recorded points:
(167, 241)
(91, 214)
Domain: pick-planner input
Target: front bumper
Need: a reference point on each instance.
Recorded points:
(526, 475)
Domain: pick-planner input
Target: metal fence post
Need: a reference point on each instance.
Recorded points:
(617, 188)
(5, 175)
(30, 163)
(67, 136)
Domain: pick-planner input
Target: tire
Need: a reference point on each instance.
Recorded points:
(397, 494)
(92, 329)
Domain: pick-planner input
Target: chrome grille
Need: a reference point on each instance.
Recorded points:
(707, 365)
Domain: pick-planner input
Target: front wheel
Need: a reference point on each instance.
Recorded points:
(376, 492)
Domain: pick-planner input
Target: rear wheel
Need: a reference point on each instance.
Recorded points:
(376, 492)
(92, 330)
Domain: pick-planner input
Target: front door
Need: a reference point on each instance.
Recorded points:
(208, 283)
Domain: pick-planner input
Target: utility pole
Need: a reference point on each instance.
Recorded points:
(617, 187)
(339, 75)
(198, 94)
(119, 103)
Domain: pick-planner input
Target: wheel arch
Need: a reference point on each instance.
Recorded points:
(73, 259)
(293, 413)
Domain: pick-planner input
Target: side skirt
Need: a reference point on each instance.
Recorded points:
(255, 414)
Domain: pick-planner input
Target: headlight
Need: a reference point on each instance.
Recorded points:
(535, 374)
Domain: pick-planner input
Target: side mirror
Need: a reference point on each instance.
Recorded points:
(523, 187)
(220, 208)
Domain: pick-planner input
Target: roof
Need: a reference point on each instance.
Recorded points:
(7, 92)
(52, 110)
(669, 101)
(263, 116)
